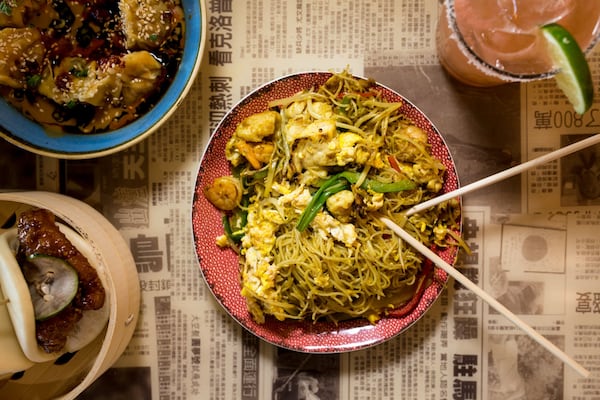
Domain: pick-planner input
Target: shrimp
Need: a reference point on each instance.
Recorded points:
(225, 193)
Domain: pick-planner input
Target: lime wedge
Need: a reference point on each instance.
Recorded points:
(574, 77)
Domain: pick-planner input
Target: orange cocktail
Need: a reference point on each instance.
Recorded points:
(488, 42)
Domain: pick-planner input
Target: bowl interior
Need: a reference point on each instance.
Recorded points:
(29, 135)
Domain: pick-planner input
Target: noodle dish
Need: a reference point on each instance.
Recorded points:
(295, 180)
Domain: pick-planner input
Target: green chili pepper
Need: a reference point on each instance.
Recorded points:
(340, 182)
(240, 216)
(344, 105)
(234, 236)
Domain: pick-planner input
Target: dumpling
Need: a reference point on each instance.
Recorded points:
(21, 12)
(76, 79)
(141, 74)
(124, 80)
(147, 23)
(21, 54)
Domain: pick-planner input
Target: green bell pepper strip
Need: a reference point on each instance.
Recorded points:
(340, 182)
(376, 186)
(242, 216)
(234, 236)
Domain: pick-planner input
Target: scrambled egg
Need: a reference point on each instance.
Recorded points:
(261, 228)
(298, 198)
(346, 145)
(257, 243)
(374, 201)
(328, 227)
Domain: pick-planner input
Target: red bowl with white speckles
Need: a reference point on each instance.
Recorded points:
(220, 267)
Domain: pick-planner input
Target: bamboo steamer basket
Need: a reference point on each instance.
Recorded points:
(67, 378)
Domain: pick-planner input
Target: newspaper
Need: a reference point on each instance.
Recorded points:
(534, 238)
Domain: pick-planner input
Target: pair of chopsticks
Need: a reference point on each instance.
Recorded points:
(468, 283)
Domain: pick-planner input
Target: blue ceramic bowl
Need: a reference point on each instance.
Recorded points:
(27, 134)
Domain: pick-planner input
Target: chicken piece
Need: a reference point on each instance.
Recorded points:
(320, 110)
(257, 126)
(296, 129)
(311, 154)
(294, 110)
(248, 141)
(415, 133)
(340, 150)
(298, 198)
(340, 204)
(257, 154)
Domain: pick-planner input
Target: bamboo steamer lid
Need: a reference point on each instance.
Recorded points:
(67, 378)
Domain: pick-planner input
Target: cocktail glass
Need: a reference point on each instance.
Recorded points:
(490, 42)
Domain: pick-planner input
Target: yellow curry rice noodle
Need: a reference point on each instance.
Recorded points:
(311, 177)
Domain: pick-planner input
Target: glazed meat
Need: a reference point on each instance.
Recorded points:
(39, 234)
(51, 333)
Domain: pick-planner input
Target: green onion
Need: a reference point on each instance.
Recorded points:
(5, 7)
(34, 81)
(340, 182)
